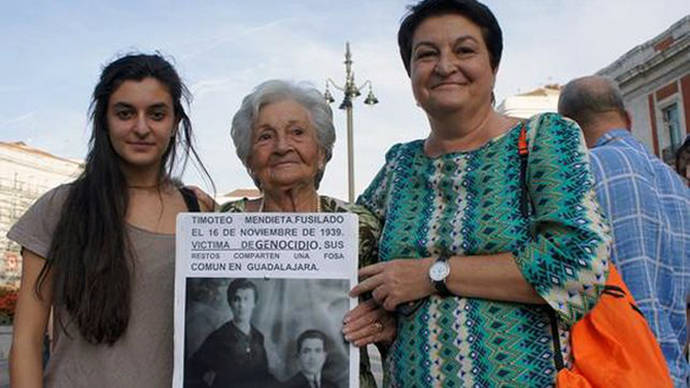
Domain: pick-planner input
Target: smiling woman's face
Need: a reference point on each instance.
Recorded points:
(285, 152)
(450, 67)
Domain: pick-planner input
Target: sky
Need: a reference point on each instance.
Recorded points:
(51, 54)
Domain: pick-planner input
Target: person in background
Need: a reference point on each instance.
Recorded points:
(683, 160)
(488, 280)
(100, 251)
(649, 208)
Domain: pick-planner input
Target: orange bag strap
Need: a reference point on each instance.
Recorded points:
(523, 151)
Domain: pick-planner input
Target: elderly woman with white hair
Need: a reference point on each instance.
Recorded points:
(284, 135)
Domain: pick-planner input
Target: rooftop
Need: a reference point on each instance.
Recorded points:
(22, 147)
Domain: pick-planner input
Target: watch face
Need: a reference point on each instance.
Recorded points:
(439, 270)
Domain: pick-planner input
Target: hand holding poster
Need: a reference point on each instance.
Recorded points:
(260, 298)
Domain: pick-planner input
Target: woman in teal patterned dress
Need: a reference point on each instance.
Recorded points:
(284, 135)
(487, 279)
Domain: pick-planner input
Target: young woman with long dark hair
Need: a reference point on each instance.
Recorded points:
(100, 251)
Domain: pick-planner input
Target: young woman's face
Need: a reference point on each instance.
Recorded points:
(141, 122)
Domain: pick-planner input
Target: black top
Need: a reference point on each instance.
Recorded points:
(190, 199)
(300, 381)
(230, 358)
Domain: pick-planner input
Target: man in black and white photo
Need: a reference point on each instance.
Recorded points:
(233, 355)
(312, 353)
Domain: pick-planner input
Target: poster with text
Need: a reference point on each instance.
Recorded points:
(260, 299)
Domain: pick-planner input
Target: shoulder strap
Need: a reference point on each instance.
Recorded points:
(190, 199)
(523, 151)
(556, 338)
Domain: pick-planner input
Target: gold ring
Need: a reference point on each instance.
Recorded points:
(378, 326)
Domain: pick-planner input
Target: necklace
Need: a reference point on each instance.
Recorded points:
(318, 205)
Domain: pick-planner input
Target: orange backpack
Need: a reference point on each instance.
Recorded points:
(612, 346)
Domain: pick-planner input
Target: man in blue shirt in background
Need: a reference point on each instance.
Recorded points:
(649, 209)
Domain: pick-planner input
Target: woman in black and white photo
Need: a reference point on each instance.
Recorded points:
(234, 354)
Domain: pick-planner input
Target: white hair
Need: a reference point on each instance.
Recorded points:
(279, 90)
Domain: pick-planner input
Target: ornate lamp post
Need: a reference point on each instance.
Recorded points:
(350, 92)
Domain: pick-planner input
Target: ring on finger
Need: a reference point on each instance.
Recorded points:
(377, 325)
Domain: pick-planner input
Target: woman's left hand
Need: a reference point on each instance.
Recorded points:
(369, 323)
(396, 281)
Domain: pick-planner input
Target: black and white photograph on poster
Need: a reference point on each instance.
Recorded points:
(260, 300)
(244, 332)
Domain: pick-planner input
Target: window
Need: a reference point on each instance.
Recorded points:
(672, 123)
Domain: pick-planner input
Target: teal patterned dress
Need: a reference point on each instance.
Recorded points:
(468, 203)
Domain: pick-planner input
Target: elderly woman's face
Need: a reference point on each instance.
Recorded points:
(450, 66)
(284, 151)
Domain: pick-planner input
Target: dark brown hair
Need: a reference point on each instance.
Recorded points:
(477, 12)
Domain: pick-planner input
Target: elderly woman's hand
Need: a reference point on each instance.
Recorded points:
(369, 323)
(396, 281)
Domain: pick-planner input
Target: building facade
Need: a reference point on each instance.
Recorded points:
(26, 173)
(528, 104)
(655, 80)
(237, 194)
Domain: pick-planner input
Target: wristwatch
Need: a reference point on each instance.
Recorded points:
(438, 272)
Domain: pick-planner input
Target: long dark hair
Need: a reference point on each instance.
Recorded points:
(90, 255)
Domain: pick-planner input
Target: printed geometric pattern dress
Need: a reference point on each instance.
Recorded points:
(468, 203)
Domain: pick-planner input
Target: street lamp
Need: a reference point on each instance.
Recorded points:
(350, 92)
